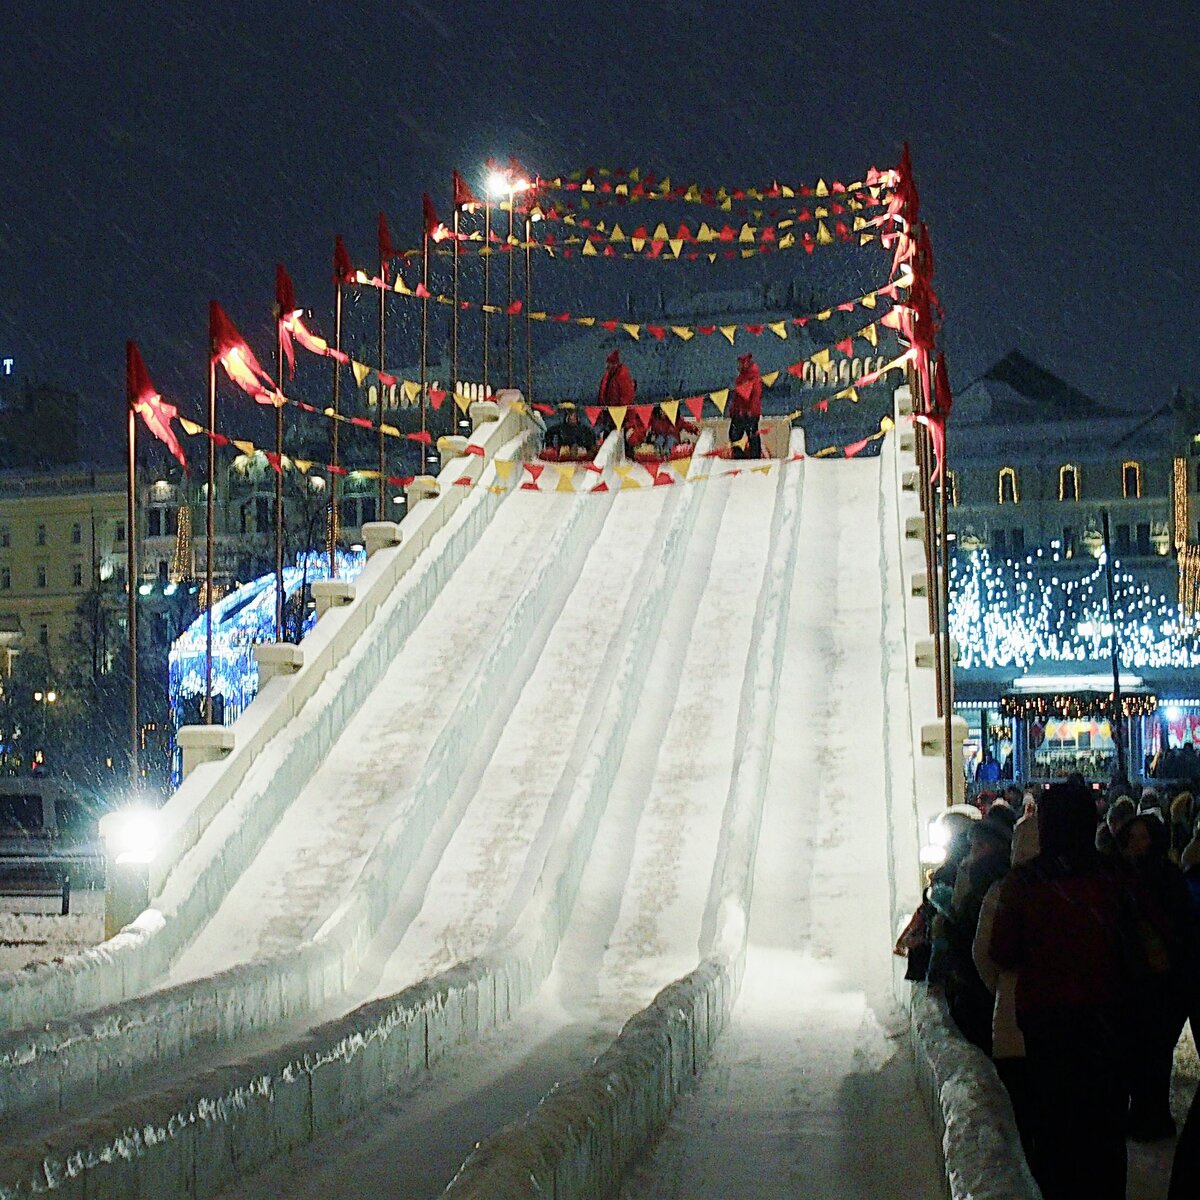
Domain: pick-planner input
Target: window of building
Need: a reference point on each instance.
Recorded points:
(119, 534)
(5, 578)
(1016, 539)
(42, 575)
(1068, 541)
(5, 536)
(1124, 543)
(163, 570)
(1007, 490)
(1143, 539)
(1131, 480)
(43, 634)
(262, 513)
(952, 488)
(77, 575)
(999, 542)
(41, 535)
(154, 523)
(1068, 482)
(76, 534)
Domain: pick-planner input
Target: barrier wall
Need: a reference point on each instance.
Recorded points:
(59, 1059)
(219, 1125)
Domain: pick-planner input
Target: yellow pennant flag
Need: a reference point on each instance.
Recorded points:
(411, 390)
(676, 245)
(820, 212)
(617, 412)
(787, 241)
(490, 308)
(303, 465)
(601, 227)
(403, 287)
(770, 379)
(245, 447)
(632, 330)
(361, 371)
(622, 189)
(727, 204)
(779, 329)
(749, 253)
(712, 258)
(824, 237)
(864, 238)
(728, 332)
(788, 193)
(638, 244)
(763, 470)
(504, 468)
(390, 430)
(720, 399)
(190, 427)
(822, 188)
(886, 425)
(585, 320)
(871, 334)
(617, 235)
(565, 475)
(660, 233)
(670, 410)
(869, 300)
(536, 316)
(589, 248)
(859, 223)
(683, 332)
(745, 234)
(825, 314)
(821, 359)
(463, 402)
(704, 233)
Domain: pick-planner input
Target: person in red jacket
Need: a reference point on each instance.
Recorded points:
(666, 434)
(745, 408)
(617, 387)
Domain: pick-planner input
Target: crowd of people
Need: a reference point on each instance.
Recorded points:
(573, 437)
(1063, 928)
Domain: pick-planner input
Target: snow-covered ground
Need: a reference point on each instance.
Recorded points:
(31, 929)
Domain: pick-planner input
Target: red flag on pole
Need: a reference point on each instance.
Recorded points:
(386, 250)
(433, 227)
(285, 312)
(465, 199)
(230, 349)
(145, 400)
(343, 268)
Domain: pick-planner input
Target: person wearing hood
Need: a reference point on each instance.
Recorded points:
(617, 389)
(1167, 990)
(665, 434)
(1184, 812)
(1120, 812)
(1060, 924)
(745, 409)
(572, 436)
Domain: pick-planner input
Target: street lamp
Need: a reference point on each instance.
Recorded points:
(500, 184)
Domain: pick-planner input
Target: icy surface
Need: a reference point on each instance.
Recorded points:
(811, 1091)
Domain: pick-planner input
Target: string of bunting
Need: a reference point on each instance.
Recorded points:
(635, 329)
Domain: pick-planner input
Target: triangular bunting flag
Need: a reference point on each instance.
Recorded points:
(504, 468)
(632, 330)
(361, 371)
(871, 334)
(769, 380)
(683, 332)
(824, 237)
(728, 332)
(694, 405)
(778, 328)
(617, 412)
(670, 410)
(720, 399)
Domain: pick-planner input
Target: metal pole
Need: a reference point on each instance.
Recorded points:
(528, 322)
(424, 336)
(454, 308)
(944, 626)
(279, 597)
(334, 432)
(210, 539)
(509, 247)
(1118, 708)
(487, 282)
(381, 513)
(131, 567)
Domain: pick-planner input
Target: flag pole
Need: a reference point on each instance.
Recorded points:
(131, 564)
(279, 598)
(210, 539)
(381, 514)
(487, 290)
(454, 310)
(333, 530)
(528, 301)
(511, 195)
(424, 329)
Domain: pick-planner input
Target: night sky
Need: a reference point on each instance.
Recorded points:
(155, 155)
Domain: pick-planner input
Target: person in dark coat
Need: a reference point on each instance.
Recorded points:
(1166, 991)
(617, 389)
(665, 434)
(573, 435)
(1062, 923)
(745, 409)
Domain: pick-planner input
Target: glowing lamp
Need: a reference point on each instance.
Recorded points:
(131, 835)
(497, 183)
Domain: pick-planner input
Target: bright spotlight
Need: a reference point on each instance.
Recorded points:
(131, 835)
(497, 183)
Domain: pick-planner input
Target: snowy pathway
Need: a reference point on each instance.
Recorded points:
(811, 1093)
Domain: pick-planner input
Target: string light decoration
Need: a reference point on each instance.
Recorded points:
(182, 566)
(1179, 501)
(1132, 471)
(1189, 585)
(1074, 706)
(1016, 613)
(1068, 472)
(243, 618)
(1007, 475)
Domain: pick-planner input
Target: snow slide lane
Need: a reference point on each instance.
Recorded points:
(811, 1091)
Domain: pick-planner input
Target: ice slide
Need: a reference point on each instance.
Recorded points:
(614, 635)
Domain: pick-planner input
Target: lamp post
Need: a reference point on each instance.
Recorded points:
(507, 184)
(43, 700)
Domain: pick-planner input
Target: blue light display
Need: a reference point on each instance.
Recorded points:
(240, 621)
(1016, 613)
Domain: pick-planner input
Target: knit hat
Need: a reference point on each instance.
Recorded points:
(614, 358)
(1120, 814)
(744, 360)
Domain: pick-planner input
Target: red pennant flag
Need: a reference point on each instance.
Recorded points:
(664, 480)
(433, 227)
(755, 329)
(600, 487)
(386, 379)
(475, 448)
(694, 405)
(706, 330)
(592, 412)
(229, 348)
(436, 398)
(423, 438)
(386, 250)
(275, 460)
(529, 487)
(547, 410)
(343, 268)
(146, 401)
(644, 412)
(463, 481)
(422, 292)
(562, 318)
(285, 311)
(796, 369)
(514, 308)
(855, 447)
(535, 469)
(336, 470)
(656, 331)
(611, 326)
(846, 346)
(464, 198)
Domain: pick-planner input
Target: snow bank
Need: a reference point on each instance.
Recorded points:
(964, 1097)
(226, 1122)
(585, 1132)
(72, 1056)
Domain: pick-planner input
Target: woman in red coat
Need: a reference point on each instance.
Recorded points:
(745, 408)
